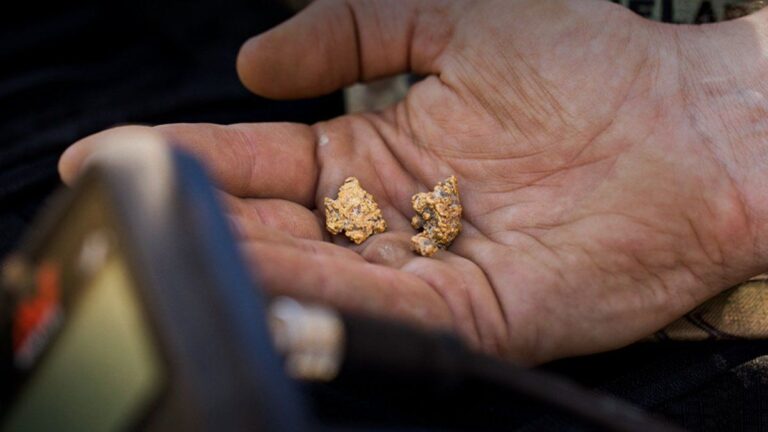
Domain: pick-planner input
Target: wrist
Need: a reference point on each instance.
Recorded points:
(722, 81)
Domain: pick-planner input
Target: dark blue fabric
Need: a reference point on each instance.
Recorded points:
(706, 386)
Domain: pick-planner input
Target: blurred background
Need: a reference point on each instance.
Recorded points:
(70, 69)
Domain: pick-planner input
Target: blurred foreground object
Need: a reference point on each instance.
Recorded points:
(128, 307)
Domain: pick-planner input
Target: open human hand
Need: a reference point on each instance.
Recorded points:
(605, 192)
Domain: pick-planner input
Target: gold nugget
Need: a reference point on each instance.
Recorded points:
(438, 215)
(355, 212)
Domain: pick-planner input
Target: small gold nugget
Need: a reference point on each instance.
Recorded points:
(438, 214)
(355, 212)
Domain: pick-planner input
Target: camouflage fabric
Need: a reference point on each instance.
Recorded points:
(692, 11)
(738, 313)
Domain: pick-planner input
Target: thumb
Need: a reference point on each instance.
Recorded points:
(334, 43)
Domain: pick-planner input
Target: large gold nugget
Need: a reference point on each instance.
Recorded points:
(438, 215)
(355, 212)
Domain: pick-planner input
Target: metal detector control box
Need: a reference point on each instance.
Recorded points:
(129, 307)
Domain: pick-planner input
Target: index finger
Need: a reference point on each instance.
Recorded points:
(254, 160)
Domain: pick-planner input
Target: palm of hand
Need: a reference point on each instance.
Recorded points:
(581, 187)
(584, 188)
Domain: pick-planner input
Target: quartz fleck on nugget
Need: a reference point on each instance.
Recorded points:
(438, 215)
(355, 212)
